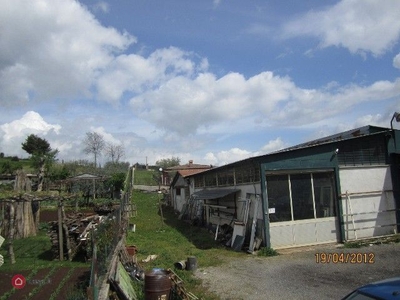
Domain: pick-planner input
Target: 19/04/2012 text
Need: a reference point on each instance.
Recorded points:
(344, 258)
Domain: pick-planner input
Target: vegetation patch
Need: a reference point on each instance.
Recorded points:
(375, 241)
(33, 253)
(267, 251)
(174, 240)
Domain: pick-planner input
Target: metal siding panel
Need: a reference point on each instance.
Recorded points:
(281, 236)
(304, 233)
(326, 230)
(367, 210)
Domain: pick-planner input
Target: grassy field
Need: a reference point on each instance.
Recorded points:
(34, 253)
(173, 240)
(7, 164)
(145, 177)
(46, 278)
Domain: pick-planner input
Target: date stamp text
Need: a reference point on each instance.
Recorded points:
(344, 258)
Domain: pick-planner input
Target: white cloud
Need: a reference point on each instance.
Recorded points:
(396, 61)
(199, 104)
(206, 100)
(358, 25)
(14, 133)
(31, 122)
(108, 137)
(52, 50)
(273, 145)
(135, 73)
(102, 6)
(231, 155)
(211, 159)
(216, 3)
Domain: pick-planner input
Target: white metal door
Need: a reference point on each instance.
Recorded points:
(368, 204)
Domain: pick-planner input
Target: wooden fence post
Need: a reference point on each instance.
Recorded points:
(60, 232)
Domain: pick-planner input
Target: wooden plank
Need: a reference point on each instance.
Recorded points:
(253, 226)
(238, 243)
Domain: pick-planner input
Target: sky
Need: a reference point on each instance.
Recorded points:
(213, 81)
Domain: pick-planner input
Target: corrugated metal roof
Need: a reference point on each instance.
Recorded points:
(213, 194)
(350, 134)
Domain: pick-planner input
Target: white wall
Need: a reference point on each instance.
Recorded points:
(369, 201)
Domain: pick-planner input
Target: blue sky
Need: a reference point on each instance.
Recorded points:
(213, 81)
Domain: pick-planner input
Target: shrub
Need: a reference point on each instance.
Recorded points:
(267, 251)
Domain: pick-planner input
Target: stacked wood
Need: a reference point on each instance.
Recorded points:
(104, 209)
(75, 229)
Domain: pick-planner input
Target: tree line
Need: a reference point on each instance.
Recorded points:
(43, 159)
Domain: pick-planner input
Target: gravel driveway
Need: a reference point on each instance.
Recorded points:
(295, 273)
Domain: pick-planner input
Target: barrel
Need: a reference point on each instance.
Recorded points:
(191, 264)
(157, 285)
(180, 265)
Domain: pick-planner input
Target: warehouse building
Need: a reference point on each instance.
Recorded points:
(339, 188)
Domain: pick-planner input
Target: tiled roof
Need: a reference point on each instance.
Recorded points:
(185, 173)
(189, 166)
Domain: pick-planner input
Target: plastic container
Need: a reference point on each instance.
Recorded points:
(191, 264)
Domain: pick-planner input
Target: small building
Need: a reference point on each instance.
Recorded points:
(179, 187)
(339, 188)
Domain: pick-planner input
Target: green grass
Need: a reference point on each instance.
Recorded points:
(375, 241)
(174, 240)
(33, 253)
(145, 177)
(267, 251)
(15, 163)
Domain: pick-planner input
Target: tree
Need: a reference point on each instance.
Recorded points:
(42, 155)
(58, 172)
(81, 166)
(117, 167)
(94, 144)
(116, 182)
(114, 152)
(168, 162)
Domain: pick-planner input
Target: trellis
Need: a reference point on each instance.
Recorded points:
(20, 216)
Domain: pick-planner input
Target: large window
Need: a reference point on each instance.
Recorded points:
(279, 198)
(324, 195)
(302, 199)
(293, 197)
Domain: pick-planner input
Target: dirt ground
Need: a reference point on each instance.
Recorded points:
(297, 274)
(42, 287)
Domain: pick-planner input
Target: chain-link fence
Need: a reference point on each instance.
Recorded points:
(107, 237)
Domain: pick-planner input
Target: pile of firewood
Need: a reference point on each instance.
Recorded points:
(104, 209)
(76, 228)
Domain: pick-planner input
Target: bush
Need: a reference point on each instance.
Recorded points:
(267, 251)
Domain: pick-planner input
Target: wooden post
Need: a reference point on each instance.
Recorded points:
(65, 227)
(11, 233)
(60, 232)
(160, 206)
(94, 189)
